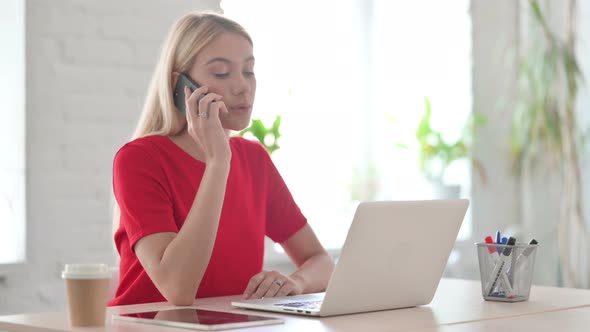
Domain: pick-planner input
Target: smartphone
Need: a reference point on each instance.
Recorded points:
(179, 98)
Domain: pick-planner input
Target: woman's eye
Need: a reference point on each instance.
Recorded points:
(249, 73)
(221, 75)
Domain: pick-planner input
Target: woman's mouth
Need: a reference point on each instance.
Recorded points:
(240, 109)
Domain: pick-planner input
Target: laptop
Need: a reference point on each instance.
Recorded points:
(393, 257)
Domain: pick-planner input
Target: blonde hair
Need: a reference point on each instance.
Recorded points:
(187, 37)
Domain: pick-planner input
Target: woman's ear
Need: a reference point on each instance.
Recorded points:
(175, 75)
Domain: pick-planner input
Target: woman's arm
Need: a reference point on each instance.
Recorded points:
(176, 263)
(314, 264)
(314, 269)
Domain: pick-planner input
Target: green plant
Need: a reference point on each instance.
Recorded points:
(436, 155)
(545, 127)
(267, 136)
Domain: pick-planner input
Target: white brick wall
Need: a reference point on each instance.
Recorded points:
(88, 67)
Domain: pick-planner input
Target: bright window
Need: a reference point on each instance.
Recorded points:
(12, 129)
(336, 71)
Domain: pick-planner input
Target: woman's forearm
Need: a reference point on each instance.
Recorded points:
(314, 274)
(186, 257)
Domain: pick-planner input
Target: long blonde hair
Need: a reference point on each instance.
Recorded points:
(187, 37)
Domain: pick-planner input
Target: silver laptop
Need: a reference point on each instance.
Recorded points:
(393, 257)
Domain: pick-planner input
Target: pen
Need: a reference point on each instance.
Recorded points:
(499, 240)
(499, 268)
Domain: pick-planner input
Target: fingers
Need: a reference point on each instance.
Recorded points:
(270, 284)
(191, 97)
(280, 287)
(253, 284)
(288, 288)
(260, 284)
(201, 105)
(273, 289)
(206, 104)
(199, 101)
(215, 107)
(263, 287)
(219, 107)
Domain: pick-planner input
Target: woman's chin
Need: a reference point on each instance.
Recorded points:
(236, 125)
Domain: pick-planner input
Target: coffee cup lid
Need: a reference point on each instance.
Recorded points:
(86, 271)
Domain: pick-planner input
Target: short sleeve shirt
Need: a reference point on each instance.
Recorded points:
(155, 183)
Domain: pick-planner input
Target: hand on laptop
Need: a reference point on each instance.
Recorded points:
(271, 284)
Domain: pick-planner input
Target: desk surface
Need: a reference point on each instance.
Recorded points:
(577, 319)
(456, 301)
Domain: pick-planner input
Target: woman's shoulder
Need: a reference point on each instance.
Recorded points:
(142, 146)
(148, 141)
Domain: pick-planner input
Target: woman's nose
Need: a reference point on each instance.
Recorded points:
(241, 85)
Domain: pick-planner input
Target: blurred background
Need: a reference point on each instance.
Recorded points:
(358, 100)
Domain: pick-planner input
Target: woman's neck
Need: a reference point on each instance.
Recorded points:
(188, 144)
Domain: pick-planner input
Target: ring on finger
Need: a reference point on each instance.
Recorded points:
(279, 282)
(203, 115)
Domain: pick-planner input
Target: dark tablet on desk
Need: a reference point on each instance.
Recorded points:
(198, 319)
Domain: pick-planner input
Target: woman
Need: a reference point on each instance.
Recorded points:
(194, 203)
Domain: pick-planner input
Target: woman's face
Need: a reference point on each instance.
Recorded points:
(226, 66)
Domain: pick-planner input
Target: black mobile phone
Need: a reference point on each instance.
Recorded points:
(183, 80)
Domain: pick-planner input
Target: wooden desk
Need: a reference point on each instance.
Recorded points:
(456, 302)
(577, 319)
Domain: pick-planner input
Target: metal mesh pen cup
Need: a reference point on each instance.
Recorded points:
(506, 271)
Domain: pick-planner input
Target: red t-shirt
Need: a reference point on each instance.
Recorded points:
(155, 183)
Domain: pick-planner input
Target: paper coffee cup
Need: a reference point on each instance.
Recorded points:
(87, 290)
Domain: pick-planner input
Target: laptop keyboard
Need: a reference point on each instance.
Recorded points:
(307, 305)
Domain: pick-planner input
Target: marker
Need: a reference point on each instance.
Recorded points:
(492, 250)
(493, 259)
(499, 268)
(519, 265)
(503, 241)
(528, 251)
(512, 264)
(516, 262)
(489, 240)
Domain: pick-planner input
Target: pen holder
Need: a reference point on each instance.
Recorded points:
(506, 271)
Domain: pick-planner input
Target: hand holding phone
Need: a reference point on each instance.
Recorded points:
(204, 127)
